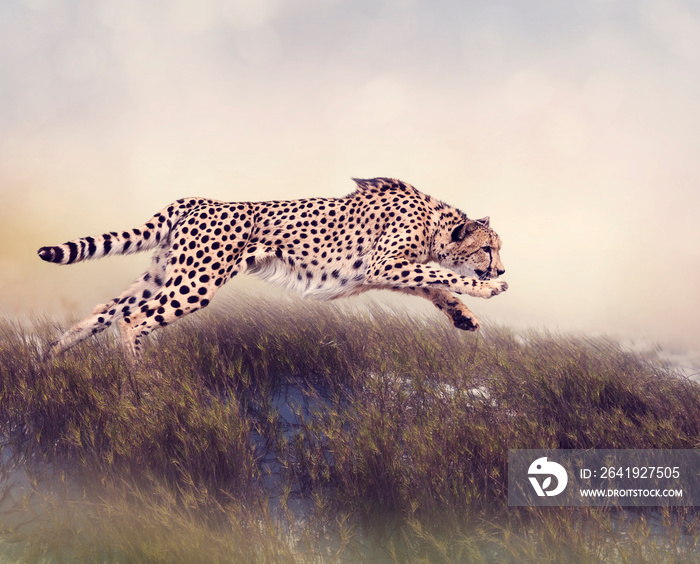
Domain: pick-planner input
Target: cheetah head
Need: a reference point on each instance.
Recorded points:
(472, 249)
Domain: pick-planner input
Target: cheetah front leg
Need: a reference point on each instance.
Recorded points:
(400, 274)
(460, 315)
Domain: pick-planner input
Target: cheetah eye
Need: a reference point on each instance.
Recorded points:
(486, 249)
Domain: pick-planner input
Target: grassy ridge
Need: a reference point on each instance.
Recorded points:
(392, 443)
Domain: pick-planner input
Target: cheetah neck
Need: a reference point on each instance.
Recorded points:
(444, 219)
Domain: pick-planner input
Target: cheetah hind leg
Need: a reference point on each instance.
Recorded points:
(104, 315)
(128, 339)
(172, 302)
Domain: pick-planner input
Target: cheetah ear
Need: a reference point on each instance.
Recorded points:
(461, 232)
(484, 221)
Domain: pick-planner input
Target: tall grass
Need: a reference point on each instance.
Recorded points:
(291, 431)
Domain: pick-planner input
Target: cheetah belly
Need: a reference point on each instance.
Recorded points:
(278, 272)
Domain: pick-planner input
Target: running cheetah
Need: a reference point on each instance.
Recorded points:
(381, 236)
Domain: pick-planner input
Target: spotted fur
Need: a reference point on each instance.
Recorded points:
(382, 236)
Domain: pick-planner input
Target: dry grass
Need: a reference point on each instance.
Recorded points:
(391, 445)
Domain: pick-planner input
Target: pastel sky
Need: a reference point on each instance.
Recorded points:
(574, 125)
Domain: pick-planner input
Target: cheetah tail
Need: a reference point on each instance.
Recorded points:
(143, 238)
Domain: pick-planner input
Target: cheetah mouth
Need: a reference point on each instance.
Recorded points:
(483, 274)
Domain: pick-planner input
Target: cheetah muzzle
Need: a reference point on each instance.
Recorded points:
(384, 235)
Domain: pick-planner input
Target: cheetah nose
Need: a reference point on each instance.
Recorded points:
(501, 272)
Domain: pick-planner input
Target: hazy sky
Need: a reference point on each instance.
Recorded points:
(574, 125)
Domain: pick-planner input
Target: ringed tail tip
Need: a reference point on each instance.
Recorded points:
(51, 254)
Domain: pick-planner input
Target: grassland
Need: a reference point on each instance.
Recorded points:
(291, 431)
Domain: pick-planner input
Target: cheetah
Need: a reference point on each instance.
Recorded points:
(384, 235)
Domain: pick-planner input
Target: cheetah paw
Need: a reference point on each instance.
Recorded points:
(494, 287)
(465, 320)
